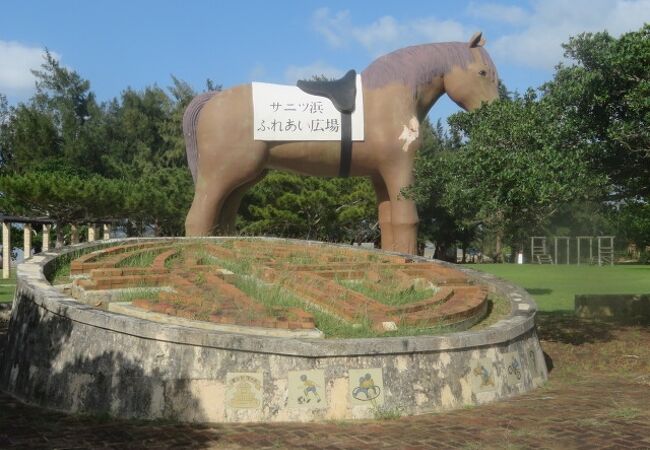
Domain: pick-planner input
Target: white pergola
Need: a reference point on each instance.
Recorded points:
(28, 224)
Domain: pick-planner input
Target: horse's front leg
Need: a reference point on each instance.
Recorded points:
(383, 212)
(404, 215)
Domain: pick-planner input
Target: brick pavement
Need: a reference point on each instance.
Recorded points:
(202, 290)
(597, 397)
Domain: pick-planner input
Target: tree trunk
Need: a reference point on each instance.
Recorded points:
(497, 250)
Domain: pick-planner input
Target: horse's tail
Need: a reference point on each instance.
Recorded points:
(189, 128)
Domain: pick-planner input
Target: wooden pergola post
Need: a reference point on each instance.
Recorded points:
(6, 249)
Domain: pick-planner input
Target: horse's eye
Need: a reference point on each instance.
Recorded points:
(482, 73)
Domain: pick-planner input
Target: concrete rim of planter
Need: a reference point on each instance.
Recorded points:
(31, 278)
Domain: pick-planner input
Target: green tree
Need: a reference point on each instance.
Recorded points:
(5, 131)
(64, 197)
(171, 131)
(65, 98)
(432, 172)
(604, 97)
(517, 167)
(159, 199)
(335, 209)
(633, 220)
(64, 155)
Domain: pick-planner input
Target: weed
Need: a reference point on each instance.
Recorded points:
(7, 288)
(199, 279)
(591, 422)
(498, 308)
(139, 259)
(529, 432)
(388, 291)
(128, 295)
(625, 413)
(473, 446)
(387, 413)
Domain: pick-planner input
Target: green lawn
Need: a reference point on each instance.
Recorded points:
(7, 288)
(553, 287)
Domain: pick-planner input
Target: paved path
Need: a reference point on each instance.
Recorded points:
(598, 396)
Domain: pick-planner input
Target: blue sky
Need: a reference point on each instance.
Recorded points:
(138, 43)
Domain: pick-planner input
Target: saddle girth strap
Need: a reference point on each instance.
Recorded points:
(346, 145)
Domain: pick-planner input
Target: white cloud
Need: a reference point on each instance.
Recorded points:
(330, 27)
(295, 73)
(385, 33)
(16, 61)
(551, 22)
(533, 31)
(514, 15)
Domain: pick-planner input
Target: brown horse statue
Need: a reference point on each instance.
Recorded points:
(399, 89)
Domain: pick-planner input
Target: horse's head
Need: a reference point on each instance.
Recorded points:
(475, 83)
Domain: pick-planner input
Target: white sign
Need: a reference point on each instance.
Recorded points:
(286, 113)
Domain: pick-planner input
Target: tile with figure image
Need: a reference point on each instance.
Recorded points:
(307, 389)
(366, 387)
(482, 375)
(513, 367)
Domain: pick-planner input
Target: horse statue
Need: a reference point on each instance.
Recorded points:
(398, 91)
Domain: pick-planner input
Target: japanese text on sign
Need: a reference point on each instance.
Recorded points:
(286, 113)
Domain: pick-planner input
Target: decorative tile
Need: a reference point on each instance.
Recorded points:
(366, 387)
(244, 390)
(514, 368)
(482, 375)
(533, 366)
(307, 389)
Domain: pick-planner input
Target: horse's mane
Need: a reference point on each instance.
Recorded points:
(419, 64)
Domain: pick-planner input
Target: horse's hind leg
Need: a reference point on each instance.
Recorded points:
(203, 214)
(231, 205)
(384, 212)
(222, 168)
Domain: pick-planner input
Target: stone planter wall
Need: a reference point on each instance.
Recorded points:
(69, 356)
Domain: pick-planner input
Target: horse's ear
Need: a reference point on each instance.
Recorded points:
(477, 40)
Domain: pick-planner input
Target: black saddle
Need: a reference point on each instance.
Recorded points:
(341, 92)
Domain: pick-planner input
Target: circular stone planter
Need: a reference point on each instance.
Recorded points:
(66, 355)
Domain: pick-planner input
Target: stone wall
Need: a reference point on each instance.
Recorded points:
(66, 355)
